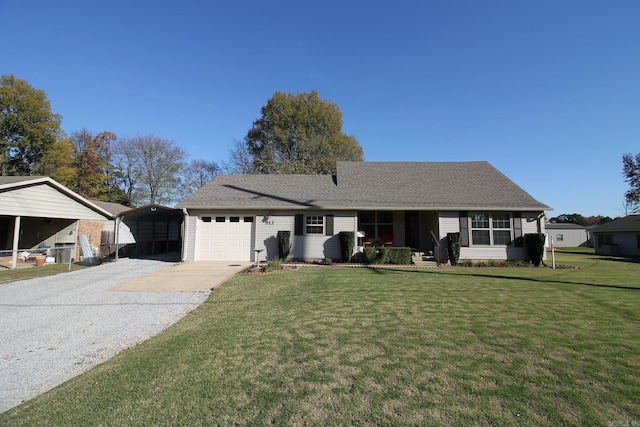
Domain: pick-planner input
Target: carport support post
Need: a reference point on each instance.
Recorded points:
(16, 240)
(117, 232)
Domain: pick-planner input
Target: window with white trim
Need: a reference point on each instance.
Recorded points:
(314, 224)
(491, 229)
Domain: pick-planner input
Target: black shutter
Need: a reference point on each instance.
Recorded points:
(328, 226)
(464, 229)
(517, 229)
(298, 229)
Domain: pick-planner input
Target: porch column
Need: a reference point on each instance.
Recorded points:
(16, 239)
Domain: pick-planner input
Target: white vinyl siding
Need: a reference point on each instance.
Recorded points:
(305, 247)
(42, 200)
(449, 222)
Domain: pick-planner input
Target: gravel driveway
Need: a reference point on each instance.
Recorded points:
(54, 328)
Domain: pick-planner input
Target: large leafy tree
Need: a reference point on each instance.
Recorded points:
(58, 162)
(94, 172)
(149, 168)
(631, 171)
(299, 133)
(28, 128)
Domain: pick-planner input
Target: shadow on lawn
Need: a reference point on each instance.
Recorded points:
(505, 277)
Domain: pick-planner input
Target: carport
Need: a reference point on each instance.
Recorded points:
(150, 231)
(34, 208)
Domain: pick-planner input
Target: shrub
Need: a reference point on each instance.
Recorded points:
(453, 247)
(388, 255)
(398, 256)
(284, 243)
(535, 246)
(273, 265)
(374, 255)
(347, 242)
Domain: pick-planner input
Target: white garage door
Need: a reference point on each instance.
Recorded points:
(224, 238)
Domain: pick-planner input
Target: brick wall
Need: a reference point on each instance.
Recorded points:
(93, 231)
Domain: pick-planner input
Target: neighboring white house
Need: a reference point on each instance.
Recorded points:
(568, 235)
(37, 212)
(620, 237)
(412, 204)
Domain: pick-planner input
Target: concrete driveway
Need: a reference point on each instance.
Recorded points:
(54, 328)
(185, 277)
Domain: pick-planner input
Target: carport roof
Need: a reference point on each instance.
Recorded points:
(152, 211)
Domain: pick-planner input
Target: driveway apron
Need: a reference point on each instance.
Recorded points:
(54, 328)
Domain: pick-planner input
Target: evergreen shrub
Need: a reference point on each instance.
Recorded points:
(284, 244)
(535, 246)
(453, 247)
(347, 242)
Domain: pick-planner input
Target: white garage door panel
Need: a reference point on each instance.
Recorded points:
(224, 241)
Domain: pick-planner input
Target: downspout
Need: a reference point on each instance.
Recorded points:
(183, 229)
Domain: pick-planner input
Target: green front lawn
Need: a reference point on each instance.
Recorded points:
(327, 346)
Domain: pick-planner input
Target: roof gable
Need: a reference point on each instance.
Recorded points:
(41, 196)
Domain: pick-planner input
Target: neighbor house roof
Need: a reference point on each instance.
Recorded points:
(23, 183)
(371, 185)
(564, 226)
(630, 223)
(114, 208)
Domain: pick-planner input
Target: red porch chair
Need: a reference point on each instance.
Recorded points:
(387, 239)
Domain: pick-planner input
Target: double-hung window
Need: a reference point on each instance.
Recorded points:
(314, 224)
(491, 229)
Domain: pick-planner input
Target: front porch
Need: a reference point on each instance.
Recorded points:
(418, 230)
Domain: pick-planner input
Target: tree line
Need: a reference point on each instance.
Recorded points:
(298, 133)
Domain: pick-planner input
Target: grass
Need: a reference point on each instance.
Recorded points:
(327, 346)
(7, 275)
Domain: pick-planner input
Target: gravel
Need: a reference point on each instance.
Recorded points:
(54, 328)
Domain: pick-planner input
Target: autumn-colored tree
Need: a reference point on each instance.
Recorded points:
(58, 162)
(94, 178)
(28, 128)
(299, 133)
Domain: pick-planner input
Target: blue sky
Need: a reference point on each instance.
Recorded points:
(546, 91)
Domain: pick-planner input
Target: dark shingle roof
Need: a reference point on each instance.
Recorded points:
(564, 226)
(630, 223)
(371, 185)
(113, 208)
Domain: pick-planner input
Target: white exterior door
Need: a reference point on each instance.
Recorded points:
(224, 238)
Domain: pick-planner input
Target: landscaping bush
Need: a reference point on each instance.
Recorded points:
(374, 255)
(284, 244)
(347, 242)
(388, 255)
(398, 256)
(453, 247)
(273, 265)
(535, 246)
